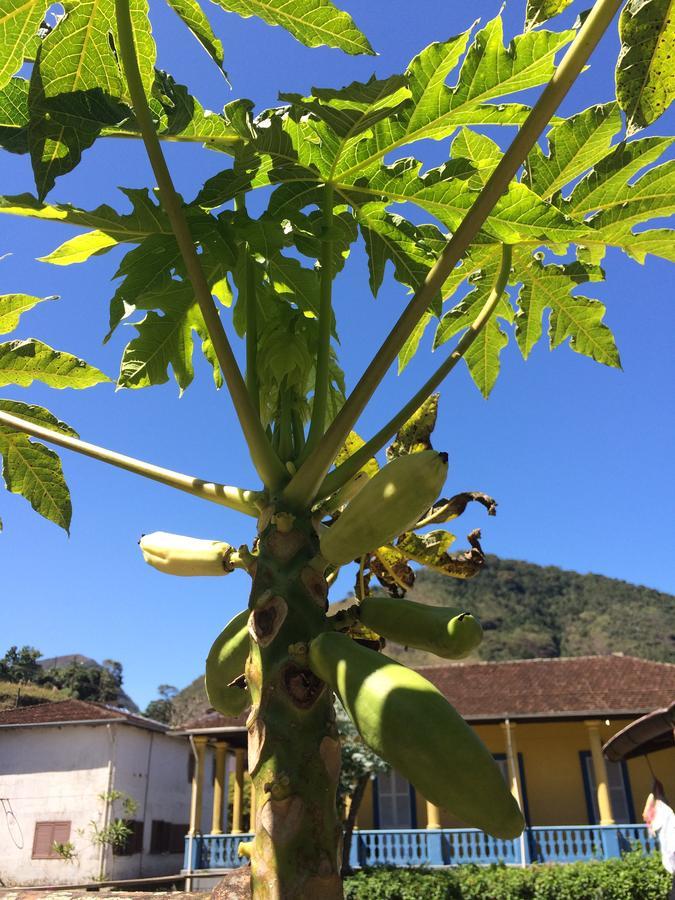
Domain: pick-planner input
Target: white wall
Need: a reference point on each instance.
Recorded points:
(54, 773)
(153, 769)
(50, 774)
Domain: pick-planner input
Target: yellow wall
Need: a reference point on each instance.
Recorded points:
(553, 778)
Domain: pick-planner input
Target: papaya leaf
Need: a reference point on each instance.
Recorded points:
(22, 362)
(37, 415)
(482, 357)
(415, 435)
(572, 316)
(146, 218)
(391, 569)
(19, 23)
(167, 340)
(350, 446)
(14, 116)
(13, 305)
(447, 509)
(411, 346)
(390, 237)
(519, 214)
(76, 84)
(575, 145)
(538, 11)
(31, 469)
(355, 108)
(191, 13)
(430, 550)
(645, 77)
(613, 201)
(314, 23)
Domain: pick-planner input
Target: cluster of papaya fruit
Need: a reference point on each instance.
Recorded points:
(398, 713)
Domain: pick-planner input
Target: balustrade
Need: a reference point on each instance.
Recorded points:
(448, 846)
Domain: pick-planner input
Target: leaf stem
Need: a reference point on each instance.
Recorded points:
(351, 466)
(252, 382)
(304, 485)
(264, 459)
(320, 403)
(232, 497)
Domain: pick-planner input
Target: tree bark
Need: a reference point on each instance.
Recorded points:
(293, 744)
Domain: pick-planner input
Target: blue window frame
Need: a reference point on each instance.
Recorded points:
(503, 764)
(620, 794)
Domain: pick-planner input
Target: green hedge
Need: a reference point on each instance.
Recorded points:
(633, 877)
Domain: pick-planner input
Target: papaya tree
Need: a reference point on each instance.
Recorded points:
(514, 234)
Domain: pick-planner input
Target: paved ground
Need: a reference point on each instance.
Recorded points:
(232, 887)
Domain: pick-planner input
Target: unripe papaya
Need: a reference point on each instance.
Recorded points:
(176, 554)
(445, 631)
(409, 723)
(225, 663)
(389, 504)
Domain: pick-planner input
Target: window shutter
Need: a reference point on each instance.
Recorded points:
(177, 838)
(46, 834)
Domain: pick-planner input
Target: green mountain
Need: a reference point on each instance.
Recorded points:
(532, 611)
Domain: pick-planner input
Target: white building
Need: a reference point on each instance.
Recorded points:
(66, 770)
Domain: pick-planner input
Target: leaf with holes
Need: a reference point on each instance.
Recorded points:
(19, 23)
(645, 76)
(23, 362)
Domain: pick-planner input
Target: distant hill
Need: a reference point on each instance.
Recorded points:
(530, 611)
(13, 695)
(123, 700)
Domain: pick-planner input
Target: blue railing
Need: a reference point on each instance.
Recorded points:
(448, 846)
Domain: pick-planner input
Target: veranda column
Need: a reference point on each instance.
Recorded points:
(433, 815)
(237, 802)
(512, 762)
(600, 771)
(219, 788)
(199, 744)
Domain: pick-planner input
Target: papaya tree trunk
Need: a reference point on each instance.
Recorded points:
(293, 745)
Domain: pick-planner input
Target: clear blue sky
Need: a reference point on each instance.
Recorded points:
(580, 457)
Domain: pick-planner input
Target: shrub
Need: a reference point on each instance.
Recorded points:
(633, 877)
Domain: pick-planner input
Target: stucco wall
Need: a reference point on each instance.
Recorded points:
(50, 774)
(59, 774)
(553, 777)
(152, 768)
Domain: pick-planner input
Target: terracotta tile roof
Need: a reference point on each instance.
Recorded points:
(566, 687)
(73, 711)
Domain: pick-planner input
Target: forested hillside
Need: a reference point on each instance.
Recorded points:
(532, 611)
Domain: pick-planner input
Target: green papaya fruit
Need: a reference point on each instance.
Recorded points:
(447, 632)
(225, 663)
(389, 504)
(410, 724)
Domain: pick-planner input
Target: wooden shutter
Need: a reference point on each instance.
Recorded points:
(177, 838)
(46, 835)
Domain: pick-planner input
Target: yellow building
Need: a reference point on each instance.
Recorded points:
(545, 721)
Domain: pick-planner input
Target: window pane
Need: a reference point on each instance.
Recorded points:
(617, 790)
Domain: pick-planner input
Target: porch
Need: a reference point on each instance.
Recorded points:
(446, 846)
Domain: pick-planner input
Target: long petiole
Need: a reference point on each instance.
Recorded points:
(320, 403)
(351, 466)
(252, 382)
(304, 485)
(264, 459)
(232, 497)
